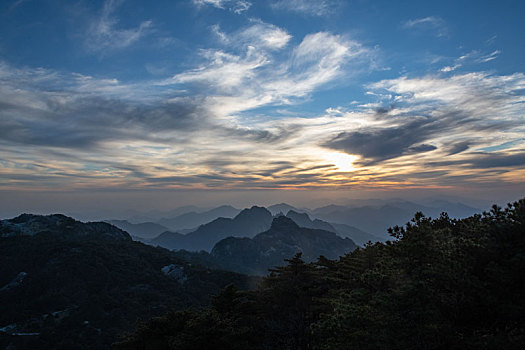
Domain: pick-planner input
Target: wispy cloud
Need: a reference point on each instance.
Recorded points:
(259, 34)
(104, 36)
(475, 56)
(436, 24)
(236, 6)
(308, 7)
(250, 76)
(487, 58)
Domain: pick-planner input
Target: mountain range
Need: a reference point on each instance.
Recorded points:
(66, 283)
(282, 241)
(362, 221)
(193, 219)
(247, 223)
(143, 230)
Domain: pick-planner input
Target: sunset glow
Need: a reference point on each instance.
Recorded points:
(211, 95)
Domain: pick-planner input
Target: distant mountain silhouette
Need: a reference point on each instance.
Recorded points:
(281, 208)
(146, 230)
(195, 219)
(360, 237)
(155, 215)
(247, 223)
(369, 219)
(60, 226)
(282, 241)
(168, 239)
(303, 220)
(376, 219)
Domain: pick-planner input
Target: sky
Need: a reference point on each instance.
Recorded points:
(135, 104)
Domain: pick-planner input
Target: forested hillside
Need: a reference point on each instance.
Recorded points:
(71, 285)
(440, 284)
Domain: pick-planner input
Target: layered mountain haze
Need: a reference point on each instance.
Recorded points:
(358, 236)
(282, 241)
(193, 219)
(245, 224)
(143, 230)
(376, 217)
(303, 220)
(281, 208)
(359, 223)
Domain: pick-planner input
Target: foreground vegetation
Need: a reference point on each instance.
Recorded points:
(83, 293)
(441, 284)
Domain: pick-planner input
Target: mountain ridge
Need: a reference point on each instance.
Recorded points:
(281, 241)
(62, 226)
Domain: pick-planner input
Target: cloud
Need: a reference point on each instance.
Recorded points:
(259, 34)
(487, 58)
(488, 161)
(431, 113)
(249, 75)
(432, 23)
(459, 147)
(104, 36)
(204, 127)
(474, 56)
(385, 143)
(307, 7)
(236, 6)
(450, 68)
(80, 130)
(265, 35)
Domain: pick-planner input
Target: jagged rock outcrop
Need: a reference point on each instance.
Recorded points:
(175, 272)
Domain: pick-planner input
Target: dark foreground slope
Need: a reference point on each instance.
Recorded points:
(77, 286)
(442, 284)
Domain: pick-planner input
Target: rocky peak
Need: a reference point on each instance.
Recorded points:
(253, 213)
(281, 223)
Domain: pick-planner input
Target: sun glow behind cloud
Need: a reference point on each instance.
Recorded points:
(343, 162)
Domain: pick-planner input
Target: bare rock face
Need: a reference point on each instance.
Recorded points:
(175, 272)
